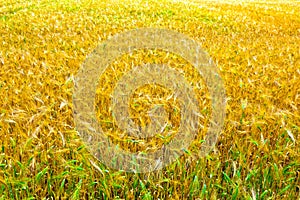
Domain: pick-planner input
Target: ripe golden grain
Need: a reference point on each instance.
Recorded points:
(255, 46)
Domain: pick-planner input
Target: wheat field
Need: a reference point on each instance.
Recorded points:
(255, 46)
